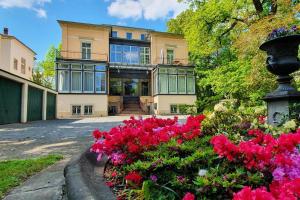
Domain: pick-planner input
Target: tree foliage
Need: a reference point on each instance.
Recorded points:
(224, 38)
(44, 73)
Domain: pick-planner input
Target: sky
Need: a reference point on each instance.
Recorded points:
(34, 22)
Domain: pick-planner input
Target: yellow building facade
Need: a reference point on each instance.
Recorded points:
(107, 69)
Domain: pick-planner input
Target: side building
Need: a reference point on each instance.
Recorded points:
(107, 69)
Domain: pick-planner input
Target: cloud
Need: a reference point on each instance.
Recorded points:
(35, 5)
(148, 9)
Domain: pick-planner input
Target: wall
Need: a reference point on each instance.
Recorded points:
(116, 101)
(65, 102)
(168, 41)
(136, 33)
(164, 102)
(5, 49)
(145, 101)
(10, 49)
(18, 51)
(74, 34)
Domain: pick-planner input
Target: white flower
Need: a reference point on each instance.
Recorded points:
(202, 172)
(220, 107)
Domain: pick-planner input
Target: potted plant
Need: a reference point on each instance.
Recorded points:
(282, 50)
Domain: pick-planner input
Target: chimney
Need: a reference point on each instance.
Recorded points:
(5, 31)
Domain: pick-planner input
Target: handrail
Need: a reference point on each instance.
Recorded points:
(79, 55)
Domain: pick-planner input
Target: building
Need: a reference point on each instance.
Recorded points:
(16, 57)
(21, 100)
(104, 69)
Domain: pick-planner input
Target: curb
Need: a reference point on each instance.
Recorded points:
(84, 179)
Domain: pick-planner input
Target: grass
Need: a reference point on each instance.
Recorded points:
(14, 172)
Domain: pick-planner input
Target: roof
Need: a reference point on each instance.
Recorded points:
(111, 26)
(13, 37)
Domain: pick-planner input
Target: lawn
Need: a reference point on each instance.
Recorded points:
(14, 172)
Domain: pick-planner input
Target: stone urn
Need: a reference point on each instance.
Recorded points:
(282, 60)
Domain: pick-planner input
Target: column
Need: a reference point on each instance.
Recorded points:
(24, 102)
(44, 105)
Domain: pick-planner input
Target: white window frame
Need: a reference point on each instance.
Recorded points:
(63, 91)
(76, 114)
(105, 78)
(89, 113)
(82, 57)
(169, 49)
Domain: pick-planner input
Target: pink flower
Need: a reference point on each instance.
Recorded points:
(189, 196)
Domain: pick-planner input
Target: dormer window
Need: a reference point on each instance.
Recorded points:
(86, 50)
(114, 34)
(129, 36)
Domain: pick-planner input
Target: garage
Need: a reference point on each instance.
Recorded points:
(10, 101)
(51, 106)
(35, 104)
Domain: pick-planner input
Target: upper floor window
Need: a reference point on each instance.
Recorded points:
(129, 36)
(86, 50)
(23, 65)
(143, 37)
(15, 64)
(114, 34)
(145, 55)
(170, 56)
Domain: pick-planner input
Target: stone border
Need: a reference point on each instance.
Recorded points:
(84, 179)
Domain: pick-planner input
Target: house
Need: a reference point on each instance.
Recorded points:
(21, 100)
(108, 69)
(16, 57)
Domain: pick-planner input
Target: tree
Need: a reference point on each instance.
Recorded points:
(45, 70)
(224, 38)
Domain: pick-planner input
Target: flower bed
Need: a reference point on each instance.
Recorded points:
(162, 159)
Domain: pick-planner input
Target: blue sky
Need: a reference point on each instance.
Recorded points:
(34, 21)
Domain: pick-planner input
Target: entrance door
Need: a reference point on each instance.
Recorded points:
(131, 87)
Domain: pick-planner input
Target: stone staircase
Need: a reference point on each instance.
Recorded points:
(131, 106)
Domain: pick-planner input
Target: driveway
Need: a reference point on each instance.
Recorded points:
(66, 137)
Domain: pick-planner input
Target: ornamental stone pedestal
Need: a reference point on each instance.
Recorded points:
(282, 60)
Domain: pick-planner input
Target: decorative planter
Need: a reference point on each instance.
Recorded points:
(282, 60)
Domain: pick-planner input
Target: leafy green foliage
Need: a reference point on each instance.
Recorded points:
(224, 38)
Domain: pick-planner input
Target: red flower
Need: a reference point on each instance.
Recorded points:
(110, 184)
(97, 134)
(114, 174)
(189, 196)
(134, 177)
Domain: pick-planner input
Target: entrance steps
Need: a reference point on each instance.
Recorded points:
(131, 106)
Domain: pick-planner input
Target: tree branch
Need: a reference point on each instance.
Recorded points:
(258, 6)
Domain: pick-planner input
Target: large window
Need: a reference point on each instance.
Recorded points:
(86, 50)
(173, 81)
(81, 78)
(129, 54)
(170, 56)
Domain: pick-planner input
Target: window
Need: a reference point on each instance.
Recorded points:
(145, 55)
(86, 50)
(181, 84)
(76, 81)
(15, 64)
(76, 66)
(190, 84)
(172, 84)
(143, 37)
(114, 34)
(23, 65)
(173, 81)
(115, 86)
(170, 56)
(76, 110)
(63, 81)
(173, 108)
(129, 36)
(63, 66)
(100, 82)
(88, 81)
(88, 110)
(163, 83)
